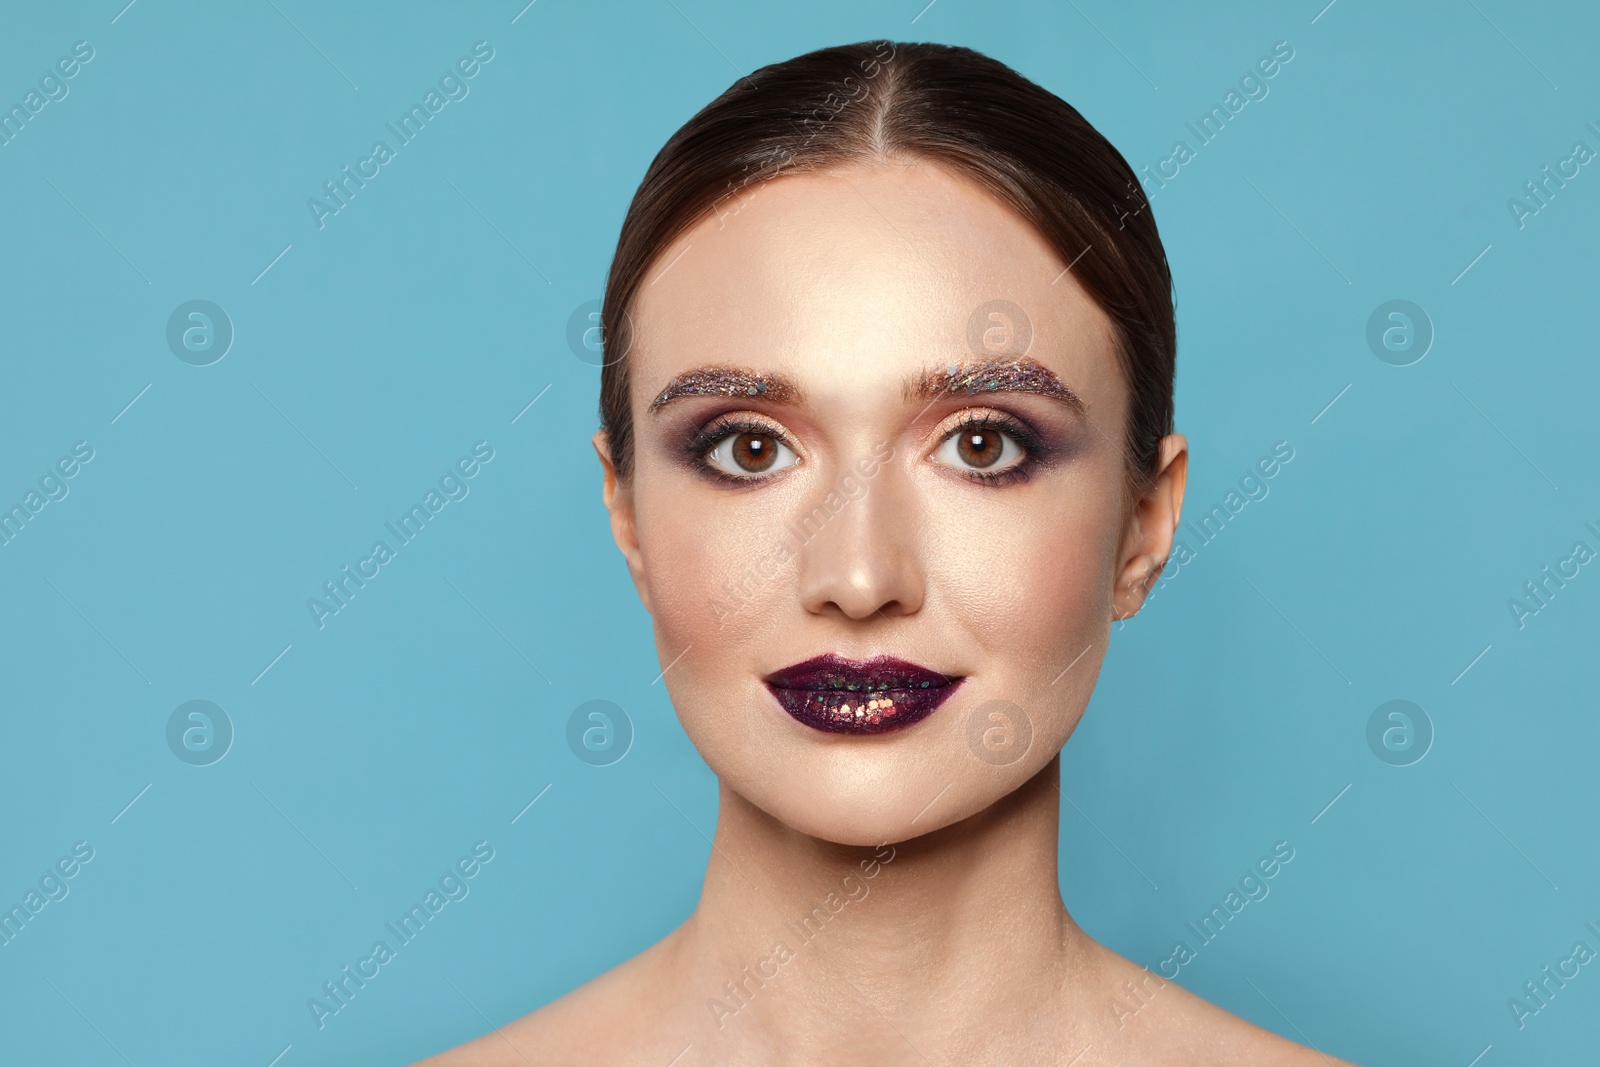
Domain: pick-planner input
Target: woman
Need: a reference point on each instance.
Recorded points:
(887, 447)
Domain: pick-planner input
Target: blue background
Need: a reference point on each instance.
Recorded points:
(425, 316)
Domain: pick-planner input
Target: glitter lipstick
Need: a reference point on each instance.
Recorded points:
(874, 696)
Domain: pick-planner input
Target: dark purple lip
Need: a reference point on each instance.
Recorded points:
(874, 696)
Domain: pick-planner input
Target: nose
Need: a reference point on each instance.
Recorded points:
(859, 554)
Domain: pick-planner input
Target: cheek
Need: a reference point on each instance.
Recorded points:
(1030, 592)
(723, 601)
(709, 563)
(1029, 582)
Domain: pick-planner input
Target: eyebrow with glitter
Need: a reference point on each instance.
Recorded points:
(1008, 375)
(727, 381)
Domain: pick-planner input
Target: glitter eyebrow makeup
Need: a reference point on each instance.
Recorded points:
(727, 381)
(1014, 375)
(1010, 375)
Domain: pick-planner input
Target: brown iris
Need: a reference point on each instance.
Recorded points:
(980, 448)
(754, 452)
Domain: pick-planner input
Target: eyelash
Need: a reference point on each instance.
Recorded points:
(719, 430)
(1033, 448)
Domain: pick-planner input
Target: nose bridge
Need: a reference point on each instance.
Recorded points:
(858, 551)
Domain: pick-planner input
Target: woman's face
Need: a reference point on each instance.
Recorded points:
(876, 416)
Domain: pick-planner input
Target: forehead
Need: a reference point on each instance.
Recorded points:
(862, 276)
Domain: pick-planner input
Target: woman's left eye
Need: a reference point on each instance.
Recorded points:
(982, 449)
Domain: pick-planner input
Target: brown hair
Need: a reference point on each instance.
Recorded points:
(951, 105)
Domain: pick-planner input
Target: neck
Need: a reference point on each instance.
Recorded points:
(801, 940)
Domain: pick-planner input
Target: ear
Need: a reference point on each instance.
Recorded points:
(1147, 541)
(618, 497)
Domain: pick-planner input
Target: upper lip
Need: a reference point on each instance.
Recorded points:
(830, 672)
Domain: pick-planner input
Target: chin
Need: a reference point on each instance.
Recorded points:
(962, 759)
(877, 798)
(856, 825)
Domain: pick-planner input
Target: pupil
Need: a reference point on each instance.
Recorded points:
(754, 452)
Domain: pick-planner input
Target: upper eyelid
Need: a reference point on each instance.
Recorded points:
(723, 426)
(993, 417)
(985, 415)
(954, 421)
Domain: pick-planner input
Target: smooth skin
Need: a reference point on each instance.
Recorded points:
(950, 944)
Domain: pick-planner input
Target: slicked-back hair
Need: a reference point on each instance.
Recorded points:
(883, 100)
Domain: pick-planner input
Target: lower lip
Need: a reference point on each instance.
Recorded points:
(879, 712)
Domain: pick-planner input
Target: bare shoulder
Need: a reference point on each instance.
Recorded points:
(1149, 1020)
(586, 1026)
(1143, 1020)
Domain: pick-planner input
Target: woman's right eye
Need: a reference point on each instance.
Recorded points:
(747, 453)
